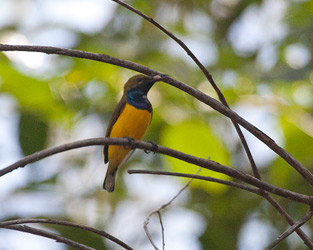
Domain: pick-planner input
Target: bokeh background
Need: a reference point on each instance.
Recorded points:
(260, 55)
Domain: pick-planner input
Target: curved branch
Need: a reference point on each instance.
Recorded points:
(305, 173)
(49, 235)
(205, 163)
(68, 224)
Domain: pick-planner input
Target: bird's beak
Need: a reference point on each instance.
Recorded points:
(158, 77)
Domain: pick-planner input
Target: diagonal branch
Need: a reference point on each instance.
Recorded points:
(290, 230)
(306, 240)
(304, 172)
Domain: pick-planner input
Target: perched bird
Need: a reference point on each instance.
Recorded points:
(131, 118)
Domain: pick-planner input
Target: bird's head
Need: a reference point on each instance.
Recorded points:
(141, 82)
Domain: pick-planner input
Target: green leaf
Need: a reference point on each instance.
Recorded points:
(32, 133)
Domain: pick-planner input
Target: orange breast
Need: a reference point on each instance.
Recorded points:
(132, 122)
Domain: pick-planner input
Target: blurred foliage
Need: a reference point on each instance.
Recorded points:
(261, 62)
(196, 138)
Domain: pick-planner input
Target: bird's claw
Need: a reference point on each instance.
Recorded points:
(131, 142)
(154, 148)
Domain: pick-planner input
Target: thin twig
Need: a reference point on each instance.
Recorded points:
(67, 224)
(158, 212)
(149, 235)
(238, 185)
(201, 162)
(306, 240)
(49, 235)
(198, 177)
(290, 230)
(216, 105)
(162, 230)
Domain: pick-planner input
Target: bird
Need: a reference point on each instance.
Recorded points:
(131, 119)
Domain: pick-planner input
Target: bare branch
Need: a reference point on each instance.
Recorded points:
(205, 163)
(162, 229)
(258, 191)
(49, 235)
(307, 241)
(149, 236)
(198, 177)
(68, 224)
(290, 230)
(305, 173)
(158, 212)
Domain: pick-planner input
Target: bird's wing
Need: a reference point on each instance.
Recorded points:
(117, 111)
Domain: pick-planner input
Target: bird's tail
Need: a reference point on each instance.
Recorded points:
(109, 181)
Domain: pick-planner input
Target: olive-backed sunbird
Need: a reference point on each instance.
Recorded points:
(131, 118)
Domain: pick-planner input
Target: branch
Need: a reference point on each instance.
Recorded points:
(158, 212)
(5, 224)
(307, 241)
(290, 230)
(49, 235)
(305, 173)
(257, 191)
(199, 177)
(205, 163)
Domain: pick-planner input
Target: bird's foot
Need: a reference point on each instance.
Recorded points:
(131, 142)
(154, 148)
